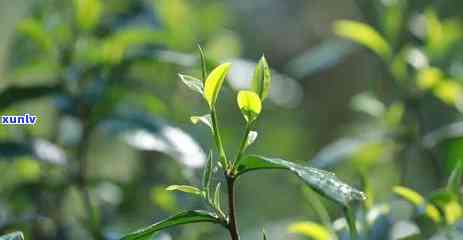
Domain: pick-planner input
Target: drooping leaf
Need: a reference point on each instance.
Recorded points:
(249, 104)
(13, 236)
(205, 119)
(214, 83)
(262, 79)
(179, 219)
(185, 189)
(418, 201)
(88, 13)
(193, 83)
(363, 34)
(12, 95)
(326, 183)
(312, 230)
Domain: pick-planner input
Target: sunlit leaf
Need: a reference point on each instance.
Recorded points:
(12, 95)
(35, 31)
(88, 13)
(205, 119)
(193, 83)
(450, 92)
(184, 188)
(363, 34)
(418, 201)
(214, 83)
(262, 79)
(180, 219)
(368, 104)
(249, 104)
(13, 236)
(312, 230)
(326, 183)
(427, 78)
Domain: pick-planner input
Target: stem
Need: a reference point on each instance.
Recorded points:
(232, 225)
(242, 145)
(351, 222)
(218, 139)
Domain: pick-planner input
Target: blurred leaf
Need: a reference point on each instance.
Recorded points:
(319, 58)
(163, 199)
(205, 119)
(249, 104)
(214, 83)
(184, 188)
(264, 236)
(335, 152)
(365, 35)
(193, 83)
(180, 219)
(148, 134)
(418, 201)
(312, 230)
(207, 175)
(326, 183)
(88, 13)
(450, 131)
(35, 31)
(12, 95)
(39, 149)
(454, 182)
(13, 236)
(217, 196)
(262, 79)
(428, 77)
(367, 103)
(450, 92)
(440, 36)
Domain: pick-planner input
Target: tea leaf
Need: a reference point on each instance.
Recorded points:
(214, 83)
(205, 119)
(418, 201)
(88, 13)
(180, 219)
(203, 63)
(207, 175)
(312, 230)
(262, 79)
(363, 34)
(193, 83)
(13, 236)
(249, 104)
(325, 183)
(217, 193)
(12, 95)
(184, 188)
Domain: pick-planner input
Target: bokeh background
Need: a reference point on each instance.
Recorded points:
(95, 76)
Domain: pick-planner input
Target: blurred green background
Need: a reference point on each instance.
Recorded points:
(94, 73)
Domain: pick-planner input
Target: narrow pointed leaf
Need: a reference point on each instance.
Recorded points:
(249, 104)
(325, 183)
(363, 34)
(418, 201)
(262, 79)
(312, 230)
(214, 83)
(217, 193)
(13, 236)
(454, 183)
(206, 119)
(192, 83)
(180, 219)
(203, 62)
(184, 188)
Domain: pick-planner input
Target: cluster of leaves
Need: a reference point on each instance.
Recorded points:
(250, 104)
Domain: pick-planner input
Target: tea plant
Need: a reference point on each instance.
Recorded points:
(250, 104)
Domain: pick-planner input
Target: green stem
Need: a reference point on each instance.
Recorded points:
(218, 139)
(351, 222)
(242, 145)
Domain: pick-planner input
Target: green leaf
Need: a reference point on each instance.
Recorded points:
(262, 79)
(184, 188)
(454, 182)
(35, 31)
(193, 83)
(88, 13)
(203, 63)
(179, 219)
(38, 149)
(249, 104)
(264, 236)
(13, 236)
(207, 175)
(12, 95)
(214, 83)
(326, 183)
(312, 230)
(418, 201)
(205, 119)
(217, 194)
(365, 35)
